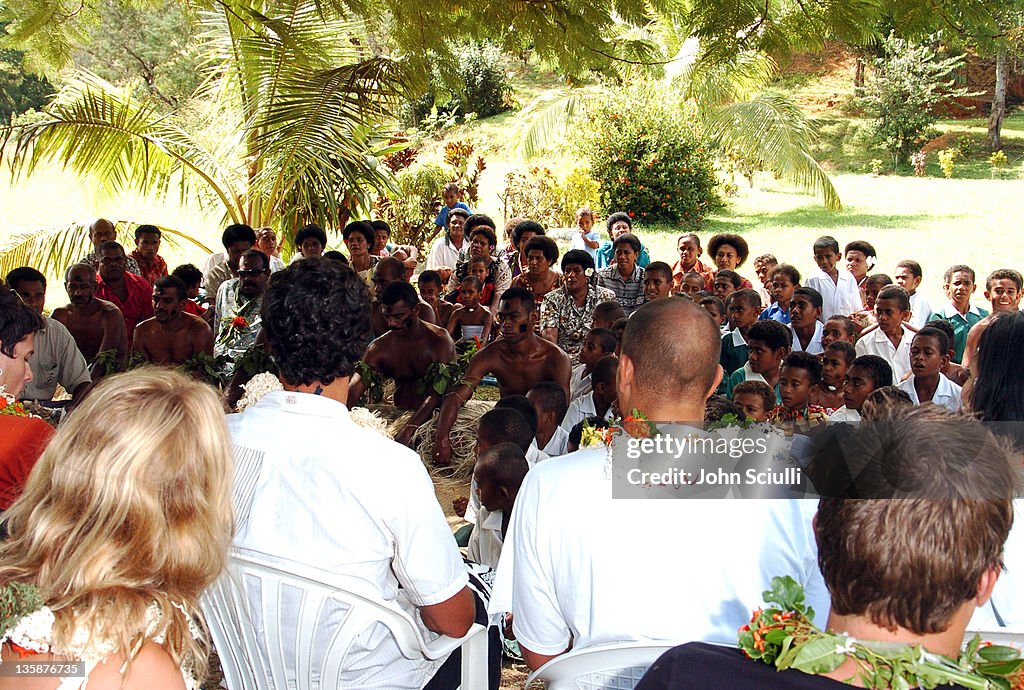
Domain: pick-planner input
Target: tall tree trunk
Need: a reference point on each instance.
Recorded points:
(995, 118)
(858, 73)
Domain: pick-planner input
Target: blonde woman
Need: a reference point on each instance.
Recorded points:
(125, 520)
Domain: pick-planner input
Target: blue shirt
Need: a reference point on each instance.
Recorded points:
(775, 313)
(606, 256)
(442, 217)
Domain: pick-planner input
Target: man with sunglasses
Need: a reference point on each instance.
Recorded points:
(237, 312)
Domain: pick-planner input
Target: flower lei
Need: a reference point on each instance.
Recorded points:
(784, 636)
(11, 407)
(232, 327)
(635, 424)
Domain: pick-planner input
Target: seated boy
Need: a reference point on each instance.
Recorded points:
(801, 372)
(607, 313)
(805, 321)
(473, 320)
(1003, 291)
(431, 292)
(873, 284)
(908, 276)
(755, 398)
(715, 306)
(890, 338)
(763, 266)
(958, 283)
(193, 279)
(868, 373)
(548, 399)
(498, 474)
(726, 282)
(957, 373)
(691, 285)
(768, 343)
(838, 288)
(743, 308)
(785, 279)
(657, 281)
(598, 343)
(835, 363)
(839, 328)
(928, 352)
(599, 401)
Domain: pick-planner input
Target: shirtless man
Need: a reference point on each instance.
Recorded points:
(172, 336)
(96, 325)
(390, 270)
(518, 359)
(405, 353)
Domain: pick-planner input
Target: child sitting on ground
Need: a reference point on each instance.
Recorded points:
(743, 308)
(768, 343)
(755, 398)
(957, 373)
(657, 281)
(958, 283)
(890, 338)
(805, 321)
(599, 401)
(801, 372)
(691, 285)
(548, 400)
(715, 306)
(928, 352)
(784, 280)
(726, 282)
(474, 320)
(835, 362)
(607, 313)
(431, 292)
(598, 343)
(868, 373)
(498, 474)
(839, 328)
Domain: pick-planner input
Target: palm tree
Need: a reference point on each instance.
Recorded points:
(282, 132)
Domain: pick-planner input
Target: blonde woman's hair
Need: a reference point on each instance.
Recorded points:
(128, 507)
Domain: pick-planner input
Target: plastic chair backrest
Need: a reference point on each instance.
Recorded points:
(613, 666)
(1013, 637)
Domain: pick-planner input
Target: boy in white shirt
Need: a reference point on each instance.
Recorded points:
(890, 339)
(867, 374)
(597, 403)
(498, 474)
(929, 351)
(908, 276)
(839, 291)
(598, 343)
(548, 399)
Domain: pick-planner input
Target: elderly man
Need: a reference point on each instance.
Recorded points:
(96, 324)
(570, 547)
(56, 358)
(237, 312)
(103, 231)
(172, 336)
(314, 487)
(128, 292)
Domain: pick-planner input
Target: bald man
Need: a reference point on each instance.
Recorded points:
(104, 231)
(96, 324)
(390, 270)
(579, 568)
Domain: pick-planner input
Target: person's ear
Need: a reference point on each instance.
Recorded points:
(988, 298)
(719, 373)
(625, 379)
(985, 586)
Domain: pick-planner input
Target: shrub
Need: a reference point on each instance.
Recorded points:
(649, 158)
(410, 210)
(540, 195)
(947, 161)
(478, 87)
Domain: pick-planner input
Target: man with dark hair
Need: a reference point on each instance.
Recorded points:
(172, 336)
(571, 547)
(237, 314)
(386, 272)
(518, 359)
(237, 239)
(56, 358)
(103, 231)
(147, 253)
(905, 562)
(405, 353)
(624, 277)
(128, 292)
(96, 324)
(302, 465)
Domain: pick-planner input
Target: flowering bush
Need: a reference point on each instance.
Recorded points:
(649, 158)
(541, 195)
(947, 161)
(918, 160)
(998, 161)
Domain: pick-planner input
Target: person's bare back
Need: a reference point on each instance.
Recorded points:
(173, 342)
(96, 327)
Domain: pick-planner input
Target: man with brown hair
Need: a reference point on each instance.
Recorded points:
(908, 562)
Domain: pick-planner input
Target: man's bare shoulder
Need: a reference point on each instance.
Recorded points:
(147, 327)
(196, 324)
(437, 332)
(60, 314)
(108, 309)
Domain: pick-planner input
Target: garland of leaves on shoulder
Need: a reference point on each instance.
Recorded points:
(17, 600)
(784, 636)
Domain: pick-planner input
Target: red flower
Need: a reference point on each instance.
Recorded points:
(239, 322)
(477, 341)
(631, 214)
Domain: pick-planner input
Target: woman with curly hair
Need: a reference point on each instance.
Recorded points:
(117, 533)
(567, 312)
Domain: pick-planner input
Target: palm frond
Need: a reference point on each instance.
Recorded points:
(773, 132)
(711, 83)
(547, 118)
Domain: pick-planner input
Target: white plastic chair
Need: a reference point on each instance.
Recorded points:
(613, 666)
(310, 624)
(1013, 637)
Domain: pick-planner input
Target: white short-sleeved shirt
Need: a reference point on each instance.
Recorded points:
(946, 395)
(581, 408)
(56, 359)
(814, 347)
(841, 297)
(579, 566)
(444, 253)
(920, 311)
(844, 414)
(558, 443)
(308, 488)
(877, 343)
(579, 382)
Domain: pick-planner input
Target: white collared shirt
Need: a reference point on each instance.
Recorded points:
(844, 414)
(920, 311)
(947, 394)
(814, 347)
(308, 487)
(580, 409)
(485, 540)
(558, 444)
(839, 298)
(579, 384)
(877, 343)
